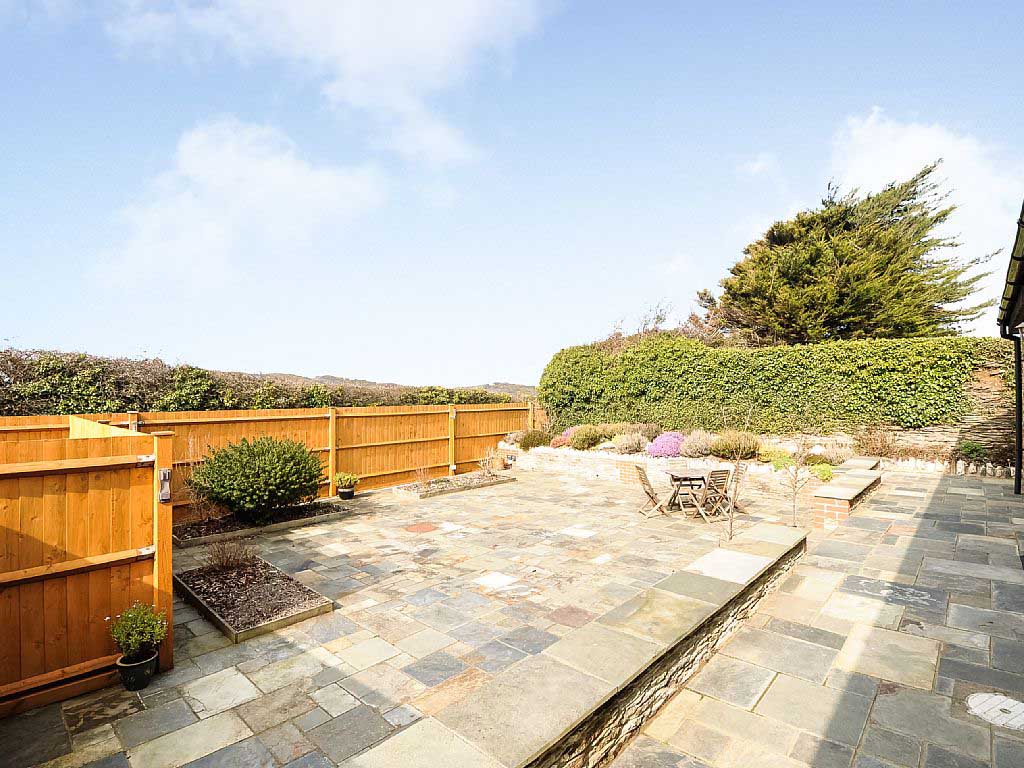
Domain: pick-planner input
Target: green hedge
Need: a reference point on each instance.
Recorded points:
(683, 384)
(38, 383)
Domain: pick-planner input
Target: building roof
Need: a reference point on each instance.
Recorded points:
(1011, 307)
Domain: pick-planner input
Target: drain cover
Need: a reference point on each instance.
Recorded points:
(997, 709)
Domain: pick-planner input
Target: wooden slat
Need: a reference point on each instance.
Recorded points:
(48, 678)
(68, 466)
(79, 565)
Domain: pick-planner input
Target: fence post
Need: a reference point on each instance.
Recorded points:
(133, 421)
(163, 511)
(531, 418)
(332, 456)
(451, 439)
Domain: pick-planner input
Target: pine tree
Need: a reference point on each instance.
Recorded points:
(857, 267)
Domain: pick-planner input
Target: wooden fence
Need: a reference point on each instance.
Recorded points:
(85, 524)
(82, 535)
(384, 446)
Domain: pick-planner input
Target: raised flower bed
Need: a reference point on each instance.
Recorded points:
(439, 486)
(249, 599)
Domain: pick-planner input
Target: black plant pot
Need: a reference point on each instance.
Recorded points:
(136, 675)
(346, 493)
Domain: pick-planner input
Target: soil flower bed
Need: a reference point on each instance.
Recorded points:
(441, 485)
(250, 599)
(230, 526)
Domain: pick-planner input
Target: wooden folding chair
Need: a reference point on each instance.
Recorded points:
(713, 500)
(654, 503)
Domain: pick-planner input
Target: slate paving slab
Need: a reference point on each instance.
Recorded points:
(528, 640)
(435, 669)
(425, 744)
(539, 694)
(250, 753)
(34, 737)
(889, 655)
(731, 680)
(349, 733)
(782, 653)
(838, 716)
(600, 651)
(927, 598)
(153, 723)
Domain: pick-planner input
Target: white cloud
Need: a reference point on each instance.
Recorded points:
(762, 163)
(385, 57)
(237, 204)
(872, 150)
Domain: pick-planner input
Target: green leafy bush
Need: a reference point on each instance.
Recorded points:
(633, 442)
(734, 444)
(683, 384)
(587, 436)
(812, 458)
(138, 632)
(969, 450)
(253, 479)
(822, 471)
(346, 480)
(778, 458)
(696, 444)
(534, 438)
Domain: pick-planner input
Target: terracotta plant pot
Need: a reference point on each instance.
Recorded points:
(136, 675)
(346, 493)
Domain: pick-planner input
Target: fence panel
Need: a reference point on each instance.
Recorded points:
(80, 539)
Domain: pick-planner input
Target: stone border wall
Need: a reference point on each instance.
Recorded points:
(599, 738)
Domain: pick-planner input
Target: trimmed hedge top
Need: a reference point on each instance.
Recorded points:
(683, 384)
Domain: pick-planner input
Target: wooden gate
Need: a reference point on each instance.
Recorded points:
(83, 534)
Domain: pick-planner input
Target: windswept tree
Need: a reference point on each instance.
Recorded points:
(856, 267)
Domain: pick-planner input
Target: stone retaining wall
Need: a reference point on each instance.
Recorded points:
(597, 740)
(598, 465)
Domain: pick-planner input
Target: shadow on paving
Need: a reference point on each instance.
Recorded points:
(867, 653)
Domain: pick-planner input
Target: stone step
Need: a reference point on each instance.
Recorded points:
(584, 696)
(860, 463)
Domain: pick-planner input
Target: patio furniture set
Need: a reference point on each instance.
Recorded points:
(706, 493)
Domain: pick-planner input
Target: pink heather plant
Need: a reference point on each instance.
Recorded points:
(666, 444)
(568, 432)
(559, 441)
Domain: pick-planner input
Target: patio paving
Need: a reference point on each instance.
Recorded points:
(866, 654)
(435, 599)
(862, 658)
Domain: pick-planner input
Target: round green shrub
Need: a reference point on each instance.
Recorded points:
(822, 471)
(734, 444)
(253, 479)
(533, 438)
(586, 437)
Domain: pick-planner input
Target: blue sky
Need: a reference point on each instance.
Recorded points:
(450, 192)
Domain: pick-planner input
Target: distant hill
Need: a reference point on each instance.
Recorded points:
(517, 391)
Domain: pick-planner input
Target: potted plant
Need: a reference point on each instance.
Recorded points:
(138, 633)
(346, 484)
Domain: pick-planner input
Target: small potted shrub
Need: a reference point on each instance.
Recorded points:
(138, 633)
(346, 484)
